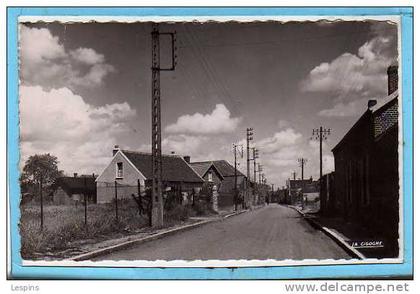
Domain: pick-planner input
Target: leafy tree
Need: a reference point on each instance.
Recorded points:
(39, 169)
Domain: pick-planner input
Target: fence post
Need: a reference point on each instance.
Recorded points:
(116, 202)
(85, 200)
(42, 204)
(139, 193)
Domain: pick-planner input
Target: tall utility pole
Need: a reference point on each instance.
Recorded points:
(235, 154)
(320, 134)
(302, 161)
(255, 156)
(249, 133)
(260, 169)
(157, 201)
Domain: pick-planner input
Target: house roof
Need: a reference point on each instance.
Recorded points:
(377, 108)
(174, 167)
(354, 129)
(202, 167)
(224, 167)
(384, 101)
(385, 117)
(76, 185)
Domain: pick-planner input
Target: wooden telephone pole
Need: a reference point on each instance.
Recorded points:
(235, 154)
(157, 200)
(302, 162)
(320, 134)
(260, 170)
(249, 138)
(255, 156)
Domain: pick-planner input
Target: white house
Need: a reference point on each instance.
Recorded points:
(129, 168)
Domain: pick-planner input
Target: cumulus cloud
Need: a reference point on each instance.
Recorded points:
(62, 123)
(87, 56)
(353, 108)
(219, 121)
(38, 45)
(278, 141)
(354, 76)
(279, 155)
(327, 157)
(182, 144)
(45, 61)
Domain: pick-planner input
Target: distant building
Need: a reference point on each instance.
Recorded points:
(208, 171)
(72, 190)
(226, 171)
(133, 170)
(366, 166)
(298, 188)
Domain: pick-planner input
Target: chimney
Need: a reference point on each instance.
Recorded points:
(187, 159)
(392, 79)
(372, 103)
(75, 175)
(115, 150)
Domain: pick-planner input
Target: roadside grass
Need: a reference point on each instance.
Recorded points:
(64, 226)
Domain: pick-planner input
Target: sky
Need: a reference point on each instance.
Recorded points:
(85, 87)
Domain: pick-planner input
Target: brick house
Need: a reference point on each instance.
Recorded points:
(133, 170)
(366, 178)
(72, 190)
(224, 172)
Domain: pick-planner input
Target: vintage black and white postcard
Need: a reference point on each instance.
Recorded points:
(211, 140)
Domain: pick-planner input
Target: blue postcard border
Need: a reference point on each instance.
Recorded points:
(17, 271)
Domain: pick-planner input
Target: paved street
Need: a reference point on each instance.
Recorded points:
(271, 232)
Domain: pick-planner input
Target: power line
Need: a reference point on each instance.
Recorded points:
(206, 65)
(280, 42)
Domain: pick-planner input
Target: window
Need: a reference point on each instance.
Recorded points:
(210, 177)
(119, 170)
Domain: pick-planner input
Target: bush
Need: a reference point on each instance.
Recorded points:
(202, 208)
(176, 214)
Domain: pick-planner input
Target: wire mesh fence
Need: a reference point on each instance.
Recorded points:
(129, 205)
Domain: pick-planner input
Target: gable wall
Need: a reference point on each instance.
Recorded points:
(216, 178)
(126, 186)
